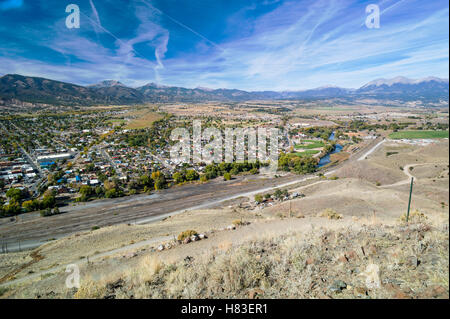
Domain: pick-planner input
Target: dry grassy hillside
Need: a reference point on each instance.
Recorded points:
(385, 165)
(406, 261)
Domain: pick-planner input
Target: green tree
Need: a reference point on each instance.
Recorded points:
(133, 184)
(12, 208)
(86, 190)
(146, 180)
(46, 212)
(234, 170)
(28, 206)
(178, 177)
(191, 175)
(99, 191)
(14, 193)
(278, 193)
(160, 182)
(224, 167)
(48, 201)
(211, 171)
(111, 193)
(147, 189)
(259, 198)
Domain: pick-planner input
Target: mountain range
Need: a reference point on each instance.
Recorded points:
(14, 87)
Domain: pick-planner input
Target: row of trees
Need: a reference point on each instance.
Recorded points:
(185, 176)
(359, 125)
(297, 164)
(114, 188)
(214, 170)
(17, 202)
(110, 189)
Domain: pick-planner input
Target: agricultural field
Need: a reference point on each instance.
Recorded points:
(418, 134)
(144, 120)
(309, 144)
(116, 122)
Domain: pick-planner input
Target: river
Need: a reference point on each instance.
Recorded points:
(326, 159)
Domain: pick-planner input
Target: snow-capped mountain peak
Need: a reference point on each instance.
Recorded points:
(402, 80)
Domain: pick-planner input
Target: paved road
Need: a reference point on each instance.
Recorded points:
(363, 157)
(33, 231)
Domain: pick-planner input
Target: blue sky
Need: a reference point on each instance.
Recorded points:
(250, 45)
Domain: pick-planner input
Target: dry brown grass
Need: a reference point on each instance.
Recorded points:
(144, 121)
(413, 263)
(330, 214)
(225, 245)
(238, 222)
(414, 217)
(90, 289)
(186, 234)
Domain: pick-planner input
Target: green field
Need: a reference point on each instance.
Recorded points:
(418, 134)
(306, 153)
(309, 144)
(116, 121)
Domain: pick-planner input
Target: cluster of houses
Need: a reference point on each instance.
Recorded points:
(15, 171)
(129, 160)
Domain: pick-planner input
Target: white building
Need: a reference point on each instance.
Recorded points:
(94, 182)
(53, 157)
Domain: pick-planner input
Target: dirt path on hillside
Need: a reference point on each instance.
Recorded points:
(406, 171)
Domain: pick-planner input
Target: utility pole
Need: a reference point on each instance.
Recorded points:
(410, 195)
(290, 208)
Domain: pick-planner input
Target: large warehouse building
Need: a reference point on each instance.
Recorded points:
(53, 157)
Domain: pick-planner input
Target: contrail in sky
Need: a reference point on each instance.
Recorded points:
(95, 12)
(183, 25)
